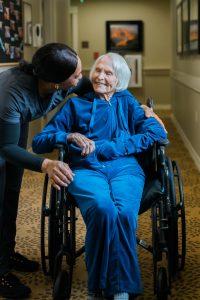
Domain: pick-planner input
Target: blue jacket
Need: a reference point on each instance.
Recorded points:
(119, 129)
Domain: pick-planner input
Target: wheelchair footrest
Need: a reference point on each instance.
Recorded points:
(144, 245)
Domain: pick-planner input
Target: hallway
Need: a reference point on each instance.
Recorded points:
(185, 287)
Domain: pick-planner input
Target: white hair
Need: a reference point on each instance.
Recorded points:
(120, 67)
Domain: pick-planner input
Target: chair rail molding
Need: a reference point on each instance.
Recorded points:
(187, 80)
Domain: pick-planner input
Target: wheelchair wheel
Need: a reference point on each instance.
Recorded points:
(155, 239)
(180, 206)
(44, 213)
(63, 277)
(177, 227)
(65, 256)
(162, 286)
(62, 287)
(172, 233)
(50, 241)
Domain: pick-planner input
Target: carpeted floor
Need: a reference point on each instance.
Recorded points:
(187, 284)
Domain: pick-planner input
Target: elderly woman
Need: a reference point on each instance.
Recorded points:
(103, 130)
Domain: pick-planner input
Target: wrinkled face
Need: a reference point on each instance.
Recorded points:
(103, 78)
(73, 79)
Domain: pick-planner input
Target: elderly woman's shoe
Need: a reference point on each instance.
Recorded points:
(121, 296)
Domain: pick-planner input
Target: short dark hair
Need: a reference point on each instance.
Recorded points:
(54, 62)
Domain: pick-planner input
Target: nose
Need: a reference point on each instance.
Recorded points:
(100, 75)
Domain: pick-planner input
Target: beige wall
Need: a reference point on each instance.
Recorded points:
(155, 14)
(53, 14)
(37, 17)
(185, 82)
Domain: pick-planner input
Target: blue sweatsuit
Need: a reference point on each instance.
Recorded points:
(108, 184)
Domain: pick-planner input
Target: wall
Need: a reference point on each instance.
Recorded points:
(37, 17)
(92, 16)
(185, 81)
(53, 14)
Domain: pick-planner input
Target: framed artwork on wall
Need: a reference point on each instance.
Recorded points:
(124, 36)
(11, 31)
(179, 33)
(188, 27)
(194, 26)
(135, 63)
(27, 23)
(185, 25)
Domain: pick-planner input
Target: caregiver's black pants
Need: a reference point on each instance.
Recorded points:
(10, 184)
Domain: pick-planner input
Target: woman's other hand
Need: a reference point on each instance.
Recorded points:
(149, 113)
(87, 145)
(59, 173)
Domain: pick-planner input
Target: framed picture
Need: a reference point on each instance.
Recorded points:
(194, 26)
(11, 32)
(134, 62)
(27, 23)
(185, 25)
(179, 31)
(124, 36)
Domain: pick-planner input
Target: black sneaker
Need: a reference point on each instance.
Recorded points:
(12, 288)
(20, 263)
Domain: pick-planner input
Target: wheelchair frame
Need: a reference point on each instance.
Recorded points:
(168, 228)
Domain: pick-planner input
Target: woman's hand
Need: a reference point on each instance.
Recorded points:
(87, 145)
(149, 113)
(59, 173)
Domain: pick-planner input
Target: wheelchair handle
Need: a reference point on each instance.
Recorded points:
(62, 150)
(163, 142)
(150, 103)
(59, 146)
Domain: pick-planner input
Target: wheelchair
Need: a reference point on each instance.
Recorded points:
(163, 194)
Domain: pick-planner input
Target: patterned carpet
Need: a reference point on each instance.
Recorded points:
(187, 284)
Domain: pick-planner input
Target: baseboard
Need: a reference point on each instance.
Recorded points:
(187, 143)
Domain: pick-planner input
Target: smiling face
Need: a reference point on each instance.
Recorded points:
(103, 78)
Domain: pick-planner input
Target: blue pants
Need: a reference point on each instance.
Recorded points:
(109, 201)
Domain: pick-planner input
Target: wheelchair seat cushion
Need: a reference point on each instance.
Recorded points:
(151, 192)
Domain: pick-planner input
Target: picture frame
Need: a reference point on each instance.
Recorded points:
(11, 32)
(179, 32)
(124, 36)
(194, 26)
(134, 62)
(185, 25)
(27, 23)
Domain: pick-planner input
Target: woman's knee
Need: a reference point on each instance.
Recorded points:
(102, 210)
(128, 216)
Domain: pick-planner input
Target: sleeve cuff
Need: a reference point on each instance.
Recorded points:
(62, 138)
